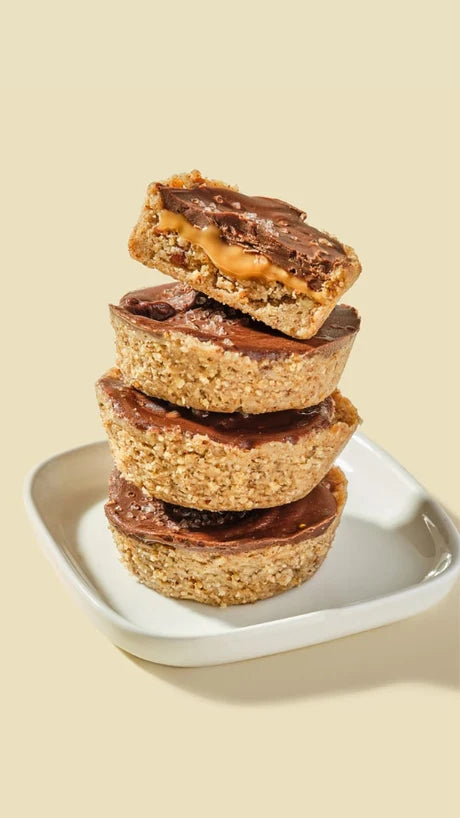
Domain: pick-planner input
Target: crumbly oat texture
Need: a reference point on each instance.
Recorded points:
(276, 305)
(187, 371)
(221, 579)
(196, 471)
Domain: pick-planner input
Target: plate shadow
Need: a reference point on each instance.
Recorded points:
(422, 649)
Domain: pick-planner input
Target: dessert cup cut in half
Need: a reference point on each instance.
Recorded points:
(224, 558)
(218, 461)
(184, 347)
(253, 253)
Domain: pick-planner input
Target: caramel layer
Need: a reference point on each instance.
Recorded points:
(232, 260)
(286, 247)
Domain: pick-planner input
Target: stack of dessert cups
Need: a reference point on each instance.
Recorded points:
(223, 413)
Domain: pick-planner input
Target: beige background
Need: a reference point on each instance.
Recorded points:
(349, 110)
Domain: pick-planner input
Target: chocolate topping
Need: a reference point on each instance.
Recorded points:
(195, 314)
(273, 228)
(156, 310)
(153, 521)
(195, 519)
(234, 429)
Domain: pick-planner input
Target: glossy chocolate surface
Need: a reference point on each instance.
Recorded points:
(153, 521)
(233, 429)
(178, 308)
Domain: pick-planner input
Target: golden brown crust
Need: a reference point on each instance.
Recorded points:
(199, 472)
(186, 371)
(220, 579)
(284, 309)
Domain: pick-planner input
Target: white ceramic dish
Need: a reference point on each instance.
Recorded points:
(396, 553)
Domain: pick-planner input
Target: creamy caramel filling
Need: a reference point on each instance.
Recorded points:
(229, 259)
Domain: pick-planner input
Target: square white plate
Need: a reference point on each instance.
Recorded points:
(395, 553)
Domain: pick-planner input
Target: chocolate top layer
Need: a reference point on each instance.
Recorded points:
(271, 227)
(154, 521)
(178, 308)
(235, 429)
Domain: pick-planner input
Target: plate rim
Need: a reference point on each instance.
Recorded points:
(58, 558)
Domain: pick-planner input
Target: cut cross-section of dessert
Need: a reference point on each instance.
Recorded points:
(182, 346)
(253, 253)
(224, 558)
(218, 461)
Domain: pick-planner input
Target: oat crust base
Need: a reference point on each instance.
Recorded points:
(186, 371)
